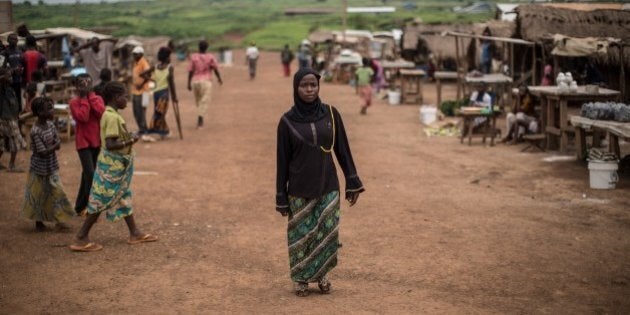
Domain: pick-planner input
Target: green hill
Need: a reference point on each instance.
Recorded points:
(230, 22)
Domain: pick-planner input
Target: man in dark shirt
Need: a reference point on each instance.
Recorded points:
(10, 138)
(14, 59)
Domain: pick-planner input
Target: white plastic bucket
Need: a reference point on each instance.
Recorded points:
(603, 174)
(393, 97)
(428, 114)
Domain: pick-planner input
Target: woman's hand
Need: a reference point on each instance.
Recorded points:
(353, 197)
(283, 211)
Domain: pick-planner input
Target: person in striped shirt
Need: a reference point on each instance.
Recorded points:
(44, 197)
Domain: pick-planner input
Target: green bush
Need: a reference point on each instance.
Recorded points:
(448, 107)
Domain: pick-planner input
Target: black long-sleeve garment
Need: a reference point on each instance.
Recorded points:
(304, 169)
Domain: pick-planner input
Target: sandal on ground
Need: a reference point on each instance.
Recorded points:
(301, 289)
(89, 247)
(324, 285)
(143, 239)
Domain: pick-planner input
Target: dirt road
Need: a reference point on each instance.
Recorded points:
(442, 227)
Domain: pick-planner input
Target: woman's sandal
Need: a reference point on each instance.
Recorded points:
(301, 289)
(89, 247)
(324, 285)
(145, 238)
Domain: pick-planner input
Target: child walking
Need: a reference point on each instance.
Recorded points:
(10, 137)
(44, 198)
(111, 186)
(364, 84)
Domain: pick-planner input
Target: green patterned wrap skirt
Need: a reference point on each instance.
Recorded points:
(313, 236)
(111, 186)
(45, 200)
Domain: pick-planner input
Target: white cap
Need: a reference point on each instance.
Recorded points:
(138, 50)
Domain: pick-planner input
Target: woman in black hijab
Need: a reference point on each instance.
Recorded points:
(307, 184)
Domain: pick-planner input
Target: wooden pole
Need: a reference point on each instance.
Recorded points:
(622, 74)
(457, 64)
(512, 60)
(534, 65)
(344, 20)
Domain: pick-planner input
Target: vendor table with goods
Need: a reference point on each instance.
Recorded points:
(469, 114)
(555, 116)
(614, 129)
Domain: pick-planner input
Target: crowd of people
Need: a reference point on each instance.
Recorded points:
(104, 145)
(103, 142)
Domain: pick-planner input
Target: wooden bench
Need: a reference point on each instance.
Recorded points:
(535, 141)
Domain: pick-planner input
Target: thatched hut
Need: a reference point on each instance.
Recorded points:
(419, 40)
(540, 23)
(536, 22)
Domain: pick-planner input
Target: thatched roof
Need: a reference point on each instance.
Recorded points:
(537, 22)
(440, 46)
(151, 45)
(497, 28)
(581, 6)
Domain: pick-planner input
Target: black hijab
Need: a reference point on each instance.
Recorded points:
(301, 110)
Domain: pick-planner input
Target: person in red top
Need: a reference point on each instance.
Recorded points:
(87, 109)
(33, 59)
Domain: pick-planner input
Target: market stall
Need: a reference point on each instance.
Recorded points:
(555, 115)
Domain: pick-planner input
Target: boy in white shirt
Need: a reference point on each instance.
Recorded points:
(252, 58)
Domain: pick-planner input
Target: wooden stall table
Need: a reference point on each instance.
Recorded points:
(500, 84)
(614, 129)
(390, 69)
(411, 85)
(56, 89)
(62, 113)
(468, 116)
(555, 115)
(445, 75)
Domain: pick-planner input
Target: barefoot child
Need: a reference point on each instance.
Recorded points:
(111, 192)
(364, 80)
(44, 198)
(10, 137)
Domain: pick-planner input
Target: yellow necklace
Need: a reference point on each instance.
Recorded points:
(332, 117)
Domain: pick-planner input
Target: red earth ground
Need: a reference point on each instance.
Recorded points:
(442, 228)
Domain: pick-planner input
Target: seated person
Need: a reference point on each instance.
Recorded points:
(523, 119)
(480, 98)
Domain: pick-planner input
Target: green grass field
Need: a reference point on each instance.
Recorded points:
(231, 22)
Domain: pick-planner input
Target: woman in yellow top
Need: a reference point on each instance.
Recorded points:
(111, 186)
(164, 87)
